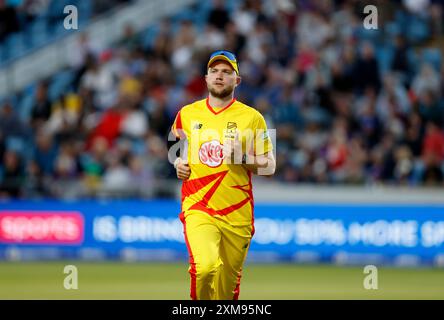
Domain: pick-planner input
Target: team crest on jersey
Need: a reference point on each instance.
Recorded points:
(211, 153)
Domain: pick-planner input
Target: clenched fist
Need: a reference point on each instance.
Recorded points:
(232, 150)
(183, 170)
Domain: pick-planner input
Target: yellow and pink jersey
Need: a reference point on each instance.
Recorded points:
(221, 189)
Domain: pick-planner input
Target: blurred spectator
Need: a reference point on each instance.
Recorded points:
(286, 110)
(426, 80)
(355, 161)
(211, 39)
(41, 109)
(314, 29)
(336, 152)
(142, 177)
(414, 134)
(433, 155)
(10, 124)
(387, 159)
(245, 18)
(100, 80)
(130, 39)
(367, 68)
(159, 119)
(34, 185)
(400, 57)
(404, 164)
(31, 9)
(82, 56)
(162, 46)
(13, 175)
(183, 45)
(9, 22)
(393, 99)
(2, 146)
(259, 42)
(135, 122)
(84, 47)
(117, 176)
(430, 108)
(100, 6)
(66, 165)
(433, 147)
(45, 152)
(368, 121)
(64, 119)
(218, 15)
(416, 6)
(234, 40)
(437, 17)
(93, 163)
(108, 127)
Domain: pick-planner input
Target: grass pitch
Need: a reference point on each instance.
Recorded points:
(117, 280)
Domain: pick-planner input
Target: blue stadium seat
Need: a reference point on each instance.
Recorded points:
(401, 18)
(55, 8)
(371, 35)
(25, 106)
(60, 84)
(384, 55)
(432, 56)
(59, 30)
(392, 29)
(148, 36)
(417, 30)
(15, 45)
(232, 5)
(11, 99)
(18, 144)
(187, 14)
(3, 54)
(413, 60)
(85, 10)
(14, 3)
(39, 32)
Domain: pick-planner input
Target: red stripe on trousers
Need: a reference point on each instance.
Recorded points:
(192, 263)
(237, 289)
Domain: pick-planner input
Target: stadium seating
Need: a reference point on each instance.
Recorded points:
(309, 108)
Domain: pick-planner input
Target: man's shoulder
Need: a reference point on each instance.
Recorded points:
(253, 112)
(192, 107)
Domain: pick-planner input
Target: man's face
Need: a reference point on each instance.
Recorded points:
(221, 79)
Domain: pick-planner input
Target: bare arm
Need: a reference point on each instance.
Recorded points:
(263, 165)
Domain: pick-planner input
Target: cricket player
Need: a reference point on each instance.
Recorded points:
(227, 141)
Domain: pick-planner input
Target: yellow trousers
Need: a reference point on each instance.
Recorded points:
(217, 251)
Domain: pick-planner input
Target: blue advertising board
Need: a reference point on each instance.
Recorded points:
(151, 230)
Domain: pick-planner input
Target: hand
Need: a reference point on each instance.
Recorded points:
(183, 170)
(232, 150)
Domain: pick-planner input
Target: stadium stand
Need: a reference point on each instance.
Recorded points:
(28, 24)
(375, 118)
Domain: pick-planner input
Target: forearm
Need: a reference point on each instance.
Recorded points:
(263, 165)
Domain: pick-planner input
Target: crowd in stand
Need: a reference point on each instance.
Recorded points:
(18, 15)
(307, 66)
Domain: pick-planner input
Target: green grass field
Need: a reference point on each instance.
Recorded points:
(171, 281)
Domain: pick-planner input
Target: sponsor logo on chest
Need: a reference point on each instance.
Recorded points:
(211, 153)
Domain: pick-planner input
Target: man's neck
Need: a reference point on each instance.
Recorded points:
(218, 102)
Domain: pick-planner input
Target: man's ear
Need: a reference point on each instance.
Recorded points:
(238, 80)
